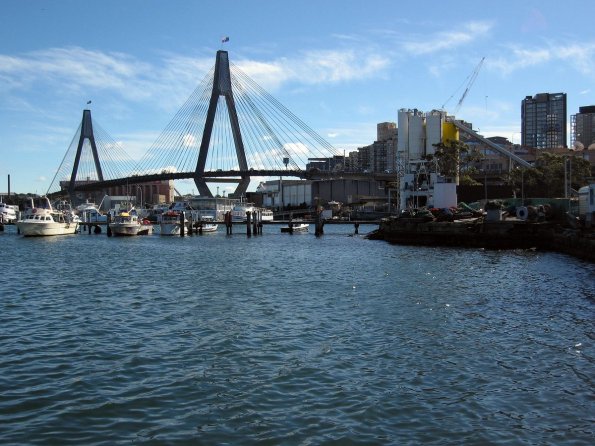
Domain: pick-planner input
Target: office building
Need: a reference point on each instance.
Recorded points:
(583, 128)
(543, 121)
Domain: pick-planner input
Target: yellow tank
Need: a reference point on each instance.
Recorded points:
(449, 132)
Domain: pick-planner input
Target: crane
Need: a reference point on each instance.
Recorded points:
(471, 79)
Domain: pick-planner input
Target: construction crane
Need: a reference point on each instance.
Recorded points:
(471, 79)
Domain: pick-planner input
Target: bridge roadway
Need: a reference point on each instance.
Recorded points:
(230, 176)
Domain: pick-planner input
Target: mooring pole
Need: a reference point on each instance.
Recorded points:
(248, 223)
(228, 224)
(182, 223)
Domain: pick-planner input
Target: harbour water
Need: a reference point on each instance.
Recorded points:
(293, 340)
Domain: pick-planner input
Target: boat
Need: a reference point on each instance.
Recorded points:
(90, 213)
(45, 221)
(266, 214)
(169, 223)
(292, 228)
(129, 223)
(238, 212)
(207, 224)
(146, 227)
(93, 216)
(8, 213)
(69, 213)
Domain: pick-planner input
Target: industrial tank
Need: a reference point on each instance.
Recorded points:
(403, 138)
(449, 132)
(416, 135)
(434, 121)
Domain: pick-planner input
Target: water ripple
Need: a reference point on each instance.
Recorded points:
(292, 340)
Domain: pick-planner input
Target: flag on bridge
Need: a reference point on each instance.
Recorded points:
(224, 39)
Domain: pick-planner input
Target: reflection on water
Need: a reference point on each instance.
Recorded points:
(286, 339)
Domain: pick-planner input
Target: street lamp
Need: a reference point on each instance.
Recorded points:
(141, 194)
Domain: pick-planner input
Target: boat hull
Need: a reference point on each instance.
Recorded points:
(296, 228)
(170, 228)
(209, 228)
(37, 229)
(124, 229)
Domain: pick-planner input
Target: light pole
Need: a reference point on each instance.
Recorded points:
(522, 186)
(138, 187)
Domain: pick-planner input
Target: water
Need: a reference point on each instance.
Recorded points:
(293, 340)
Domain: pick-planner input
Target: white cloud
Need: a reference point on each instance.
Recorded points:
(189, 140)
(517, 57)
(77, 71)
(428, 43)
(316, 67)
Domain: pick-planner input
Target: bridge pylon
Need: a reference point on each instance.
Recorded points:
(221, 87)
(86, 133)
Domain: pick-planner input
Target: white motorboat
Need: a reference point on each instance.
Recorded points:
(129, 223)
(44, 221)
(292, 228)
(266, 214)
(207, 224)
(238, 213)
(169, 223)
(90, 213)
(65, 207)
(8, 213)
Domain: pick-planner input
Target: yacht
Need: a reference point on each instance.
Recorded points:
(90, 212)
(266, 214)
(169, 223)
(8, 213)
(238, 213)
(129, 223)
(43, 221)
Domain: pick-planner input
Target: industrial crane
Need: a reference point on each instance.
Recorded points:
(471, 78)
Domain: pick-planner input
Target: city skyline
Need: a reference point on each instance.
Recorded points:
(342, 68)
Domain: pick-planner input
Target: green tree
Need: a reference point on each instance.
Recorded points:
(454, 160)
(549, 173)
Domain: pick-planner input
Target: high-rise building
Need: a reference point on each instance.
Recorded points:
(386, 131)
(583, 127)
(544, 121)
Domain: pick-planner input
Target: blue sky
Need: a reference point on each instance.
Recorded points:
(342, 66)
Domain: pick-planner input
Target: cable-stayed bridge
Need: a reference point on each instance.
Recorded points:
(229, 130)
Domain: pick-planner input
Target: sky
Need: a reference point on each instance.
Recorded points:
(342, 66)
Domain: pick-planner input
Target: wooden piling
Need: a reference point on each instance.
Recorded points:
(182, 224)
(228, 224)
(109, 229)
(319, 223)
(248, 223)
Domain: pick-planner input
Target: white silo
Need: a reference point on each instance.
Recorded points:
(434, 121)
(403, 126)
(416, 135)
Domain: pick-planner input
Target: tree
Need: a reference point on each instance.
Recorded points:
(548, 175)
(449, 156)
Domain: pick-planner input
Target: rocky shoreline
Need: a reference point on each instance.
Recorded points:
(478, 233)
